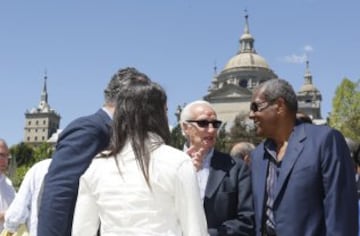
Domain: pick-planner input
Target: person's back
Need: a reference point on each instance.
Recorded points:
(127, 206)
(78, 144)
(141, 186)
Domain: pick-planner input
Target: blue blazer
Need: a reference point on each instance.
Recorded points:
(79, 142)
(316, 192)
(228, 200)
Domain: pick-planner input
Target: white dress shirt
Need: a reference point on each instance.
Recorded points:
(7, 194)
(125, 204)
(203, 173)
(24, 208)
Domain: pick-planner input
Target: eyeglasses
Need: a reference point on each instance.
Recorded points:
(205, 123)
(254, 107)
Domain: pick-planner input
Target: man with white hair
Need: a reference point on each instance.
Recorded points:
(224, 182)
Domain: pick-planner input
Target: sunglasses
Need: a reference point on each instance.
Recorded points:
(205, 123)
(254, 107)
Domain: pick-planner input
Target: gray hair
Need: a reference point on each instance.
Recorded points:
(241, 149)
(275, 88)
(187, 113)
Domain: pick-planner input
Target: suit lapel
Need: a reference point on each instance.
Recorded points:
(261, 171)
(293, 151)
(216, 174)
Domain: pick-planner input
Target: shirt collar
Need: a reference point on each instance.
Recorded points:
(107, 112)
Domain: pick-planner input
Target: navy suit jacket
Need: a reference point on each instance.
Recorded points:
(228, 199)
(79, 142)
(316, 192)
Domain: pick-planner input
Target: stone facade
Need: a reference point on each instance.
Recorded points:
(231, 90)
(41, 122)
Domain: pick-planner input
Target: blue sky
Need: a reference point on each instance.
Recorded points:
(176, 42)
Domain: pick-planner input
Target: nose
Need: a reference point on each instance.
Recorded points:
(211, 128)
(251, 115)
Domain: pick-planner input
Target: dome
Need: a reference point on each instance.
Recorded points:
(246, 60)
(308, 88)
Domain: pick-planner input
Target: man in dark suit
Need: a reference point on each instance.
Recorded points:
(302, 177)
(80, 141)
(354, 148)
(224, 182)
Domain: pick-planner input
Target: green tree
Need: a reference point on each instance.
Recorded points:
(243, 130)
(345, 115)
(223, 141)
(177, 140)
(22, 153)
(41, 152)
(23, 157)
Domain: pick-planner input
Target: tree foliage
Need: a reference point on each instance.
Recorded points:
(177, 140)
(22, 153)
(345, 115)
(243, 130)
(23, 157)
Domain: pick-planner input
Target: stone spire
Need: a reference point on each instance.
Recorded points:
(44, 94)
(307, 76)
(246, 40)
(44, 106)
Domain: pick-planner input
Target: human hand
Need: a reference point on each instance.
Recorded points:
(197, 156)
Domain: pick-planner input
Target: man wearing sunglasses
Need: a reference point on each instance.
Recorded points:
(302, 176)
(224, 182)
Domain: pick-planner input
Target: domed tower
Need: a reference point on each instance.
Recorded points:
(309, 97)
(230, 90)
(42, 121)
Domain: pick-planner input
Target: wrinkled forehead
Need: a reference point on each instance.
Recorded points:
(203, 109)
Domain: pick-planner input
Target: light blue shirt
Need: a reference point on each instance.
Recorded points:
(203, 173)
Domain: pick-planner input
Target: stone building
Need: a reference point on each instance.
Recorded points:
(231, 90)
(42, 121)
(309, 97)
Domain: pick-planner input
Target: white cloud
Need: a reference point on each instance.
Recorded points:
(299, 58)
(308, 48)
(295, 59)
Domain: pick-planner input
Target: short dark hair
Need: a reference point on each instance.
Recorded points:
(120, 79)
(275, 88)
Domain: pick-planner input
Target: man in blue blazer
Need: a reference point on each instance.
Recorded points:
(224, 182)
(79, 142)
(302, 175)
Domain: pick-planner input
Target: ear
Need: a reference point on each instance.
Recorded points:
(184, 128)
(281, 105)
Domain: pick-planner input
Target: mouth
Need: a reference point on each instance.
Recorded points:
(208, 139)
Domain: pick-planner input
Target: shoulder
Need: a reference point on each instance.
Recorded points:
(225, 160)
(170, 155)
(99, 167)
(98, 120)
(42, 164)
(321, 134)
